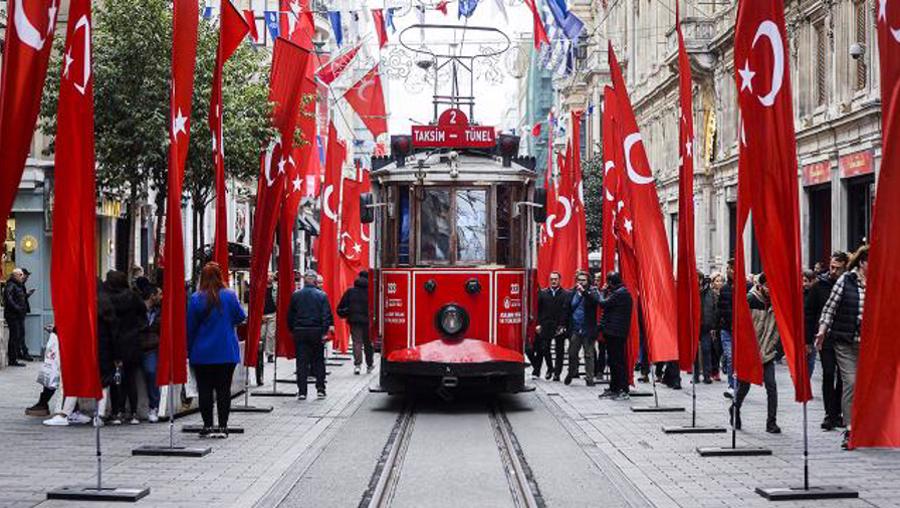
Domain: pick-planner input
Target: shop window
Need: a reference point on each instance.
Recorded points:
(732, 229)
(819, 223)
(8, 254)
(860, 194)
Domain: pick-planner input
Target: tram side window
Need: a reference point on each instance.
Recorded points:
(403, 224)
(471, 225)
(435, 227)
(504, 224)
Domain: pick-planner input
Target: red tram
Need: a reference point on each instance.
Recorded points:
(453, 257)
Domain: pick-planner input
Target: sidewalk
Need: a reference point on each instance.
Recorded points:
(667, 468)
(239, 470)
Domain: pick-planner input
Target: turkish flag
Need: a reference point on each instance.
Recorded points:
(876, 400)
(26, 54)
(380, 29)
(565, 227)
(367, 99)
(768, 165)
(545, 232)
(250, 17)
(581, 246)
(353, 256)
(610, 186)
(540, 34)
(73, 263)
(289, 62)
(333, 69)
(654, 264)
(232, 30)
(329, 223)
(687, 284)
(172, 367)
(296, 21)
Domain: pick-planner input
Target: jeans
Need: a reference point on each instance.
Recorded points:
(149, 366)
(267, 334)
(715, 353)
(618, 376)
(360, 335)
(771, 392)
(847, 359)
(214, 378)
(705, 354)
(832, 387)
(310, 355)
(579, 343)
(727, 353)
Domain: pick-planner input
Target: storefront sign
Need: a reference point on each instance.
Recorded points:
(856, 164)
(453, 131)
(815, 174)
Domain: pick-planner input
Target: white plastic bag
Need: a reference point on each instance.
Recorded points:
(48, 377)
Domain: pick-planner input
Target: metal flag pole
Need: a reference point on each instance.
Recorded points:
(99, 451)
(246, 407)
(171, 450)
(656, 408)
(693, 428)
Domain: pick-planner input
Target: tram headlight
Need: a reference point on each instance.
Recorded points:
(452, 320)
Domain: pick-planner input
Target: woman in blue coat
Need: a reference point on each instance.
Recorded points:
(213, 350)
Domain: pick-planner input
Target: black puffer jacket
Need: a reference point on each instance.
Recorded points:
(617, 306)
(726, 299)
(813, 303)
(107, 326)
(354, 305)
(131, 318)
(15, 300)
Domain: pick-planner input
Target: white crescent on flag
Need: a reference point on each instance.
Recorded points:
(84, 23)
(769, 30)
(326, 203)
(26, 31)
(631, 140)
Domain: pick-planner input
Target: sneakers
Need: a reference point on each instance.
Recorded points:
(707, 381)
(568, 380)
(622, 396)
(548, 376)
(116, 420)
(79, 418)
(589, 381)
(535, 375)
(320, 394)
(205, 432)
(356, 370)
(134, 421)
(37, 410)
(153, 415)
(301, 396)
(845, 442)
(773, 428)
(58, 420)
(607, 394)
(218, 433)
(369, 369)
(728, 394)
(556, 377)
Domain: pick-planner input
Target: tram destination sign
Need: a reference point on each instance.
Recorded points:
(453, 131)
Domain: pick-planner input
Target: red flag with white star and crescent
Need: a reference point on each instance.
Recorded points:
(329, 225)
(172, 367)
(768, 166)
(73, 261)
(26, 55)
(366, 97)
(876, 403)
(232, 30)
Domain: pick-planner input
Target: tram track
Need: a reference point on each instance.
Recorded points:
(383, 485)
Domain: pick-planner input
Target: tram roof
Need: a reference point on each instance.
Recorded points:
(450, 166)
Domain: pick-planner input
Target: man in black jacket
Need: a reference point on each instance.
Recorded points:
(582, 327)
(615, 324)
(553, 316)
(354, 307)
(832, 387)
(309, 318)
(15, 308)
(708, 322)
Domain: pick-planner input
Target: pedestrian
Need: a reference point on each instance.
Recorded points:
(24, 354)
(267, 333)
(213, 349)
(767, 337)
(149, 341)
(309, 319)
(615, 324)
(15, 308)
(600, 363)
(50, 378)
(817, 296)
(354, 308)
(718, 280)
(726, 301)
(553, 314)
(708, 322)
(809, 279)
(582, 327)
(841, 320)
(131, 318)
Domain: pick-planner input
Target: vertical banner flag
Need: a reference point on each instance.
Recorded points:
(876, 402)
(272, 24)
(296, 21)
(232, 30)
(251, 22)
(578, 200)
(565, 227)
(289, 63)
(380, 27)
(73, 262)
(466, 8)
(764, 98)
(335, 18)
(687, 285)
(366, 97)
(654, 264)
(540, 33)
(173, 334)
(608, 209)
(545, 232)
(329, 224)
(26, 55)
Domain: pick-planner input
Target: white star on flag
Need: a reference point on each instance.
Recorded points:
(620, 205)
(746, 77)
(357, 248)
(688, 147)
(297, 184)
(281, 164)
(178, 124)
(882, 9)
(69, 61)
(628, 226)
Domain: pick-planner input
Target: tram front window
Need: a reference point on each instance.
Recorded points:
(436, 226)
(471, 225)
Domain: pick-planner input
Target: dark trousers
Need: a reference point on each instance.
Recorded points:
(771, 392)
(16, 339)
(600, 362)
(310, 356)
(540, 353)
(361, 343)
(127, 390)
(715, 353)
(581, 343)
(559, 354)
(832, 386)
(615, 352)
(214, 380)
(705, 360)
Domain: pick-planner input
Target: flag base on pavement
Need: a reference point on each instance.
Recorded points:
(800, 494)
(251, 409)
(657, 409)
(690, 429)
(92, 493)
(274, 394)
(195, 429)
(729, 451)
(170, 451)
(640, 394)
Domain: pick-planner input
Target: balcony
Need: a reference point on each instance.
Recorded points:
(698, 34)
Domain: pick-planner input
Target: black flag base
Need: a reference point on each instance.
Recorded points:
(801, 494)
(733, 451)
(170, 451)
(657, 409)
(639, 394)
(274, 394)
(251, 409)
(693, 429)
(92, 493)
(195, 429)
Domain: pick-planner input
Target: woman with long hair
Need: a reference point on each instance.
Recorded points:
(213, 349)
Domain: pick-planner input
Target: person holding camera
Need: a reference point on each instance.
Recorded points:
(583, 327)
